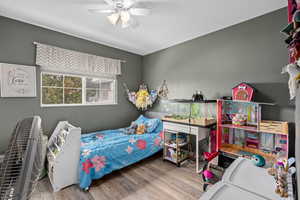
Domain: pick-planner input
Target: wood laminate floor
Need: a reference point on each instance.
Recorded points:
(146, 180)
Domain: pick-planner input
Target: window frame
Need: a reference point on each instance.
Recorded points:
(83, 89)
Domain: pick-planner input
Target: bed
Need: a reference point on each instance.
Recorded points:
(105, 151)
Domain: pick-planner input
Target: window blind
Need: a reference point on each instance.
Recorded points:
(56, 59)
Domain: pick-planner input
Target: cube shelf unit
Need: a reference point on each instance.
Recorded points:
(176, 149)
(256, 136)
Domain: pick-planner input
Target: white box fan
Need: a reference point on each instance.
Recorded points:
(23, 161)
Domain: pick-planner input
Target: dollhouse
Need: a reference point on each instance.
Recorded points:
(242, 132)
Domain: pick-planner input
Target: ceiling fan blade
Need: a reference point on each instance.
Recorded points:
(139, 11)
(125, 16)
(128, 3)
(114, 18)
(132, 23)
(109, 2)
(109, 11)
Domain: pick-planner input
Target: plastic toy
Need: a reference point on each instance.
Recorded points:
(258, 160)
(239, 120)
(280, 170)
(207, 175)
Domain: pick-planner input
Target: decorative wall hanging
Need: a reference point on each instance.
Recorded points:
(17, 80)
(293, 5)
(292, 31)
(142, 99)
(293, 70)
(56, 59)
(243, 92)
(163, 90)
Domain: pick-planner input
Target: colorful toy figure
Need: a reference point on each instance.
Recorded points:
(258, 160)
(142, 99)
(281, 181)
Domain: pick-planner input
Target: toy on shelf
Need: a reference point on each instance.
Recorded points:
(252, 140)
(273, 126)
(239, 120)
(242, 92)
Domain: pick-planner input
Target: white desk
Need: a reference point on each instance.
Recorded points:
(200, 133)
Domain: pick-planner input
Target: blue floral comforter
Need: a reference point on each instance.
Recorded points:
(105, 151)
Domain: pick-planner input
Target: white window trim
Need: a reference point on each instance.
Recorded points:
(115, 96)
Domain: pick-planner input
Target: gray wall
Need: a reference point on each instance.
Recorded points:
(252, 51)
(16, 46)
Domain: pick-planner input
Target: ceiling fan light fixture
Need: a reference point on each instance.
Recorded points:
(125, 17)
(114, 18)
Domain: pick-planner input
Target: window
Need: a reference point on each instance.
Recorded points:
(61, 89)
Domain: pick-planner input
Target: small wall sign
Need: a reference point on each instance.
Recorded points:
(17, 80)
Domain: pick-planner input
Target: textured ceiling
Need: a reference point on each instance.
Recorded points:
(170, 22)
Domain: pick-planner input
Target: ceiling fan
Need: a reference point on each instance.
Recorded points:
(121, 12)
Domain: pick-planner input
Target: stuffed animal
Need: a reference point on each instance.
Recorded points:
(141, 129)
(131, 129)
(294, 72)
(281, 181)
(272, 171)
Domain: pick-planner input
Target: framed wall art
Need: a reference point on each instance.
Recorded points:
(17, 80)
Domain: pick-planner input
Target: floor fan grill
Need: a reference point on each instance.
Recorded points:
(22, 162)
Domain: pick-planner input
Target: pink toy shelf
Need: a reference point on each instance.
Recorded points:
(253, 136)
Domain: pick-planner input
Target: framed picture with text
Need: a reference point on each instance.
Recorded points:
(17, 80)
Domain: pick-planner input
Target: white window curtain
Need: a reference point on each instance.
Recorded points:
(56, 59)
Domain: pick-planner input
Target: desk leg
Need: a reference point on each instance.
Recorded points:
(197, 154)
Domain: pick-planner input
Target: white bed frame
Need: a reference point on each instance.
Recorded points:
(63, 169)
